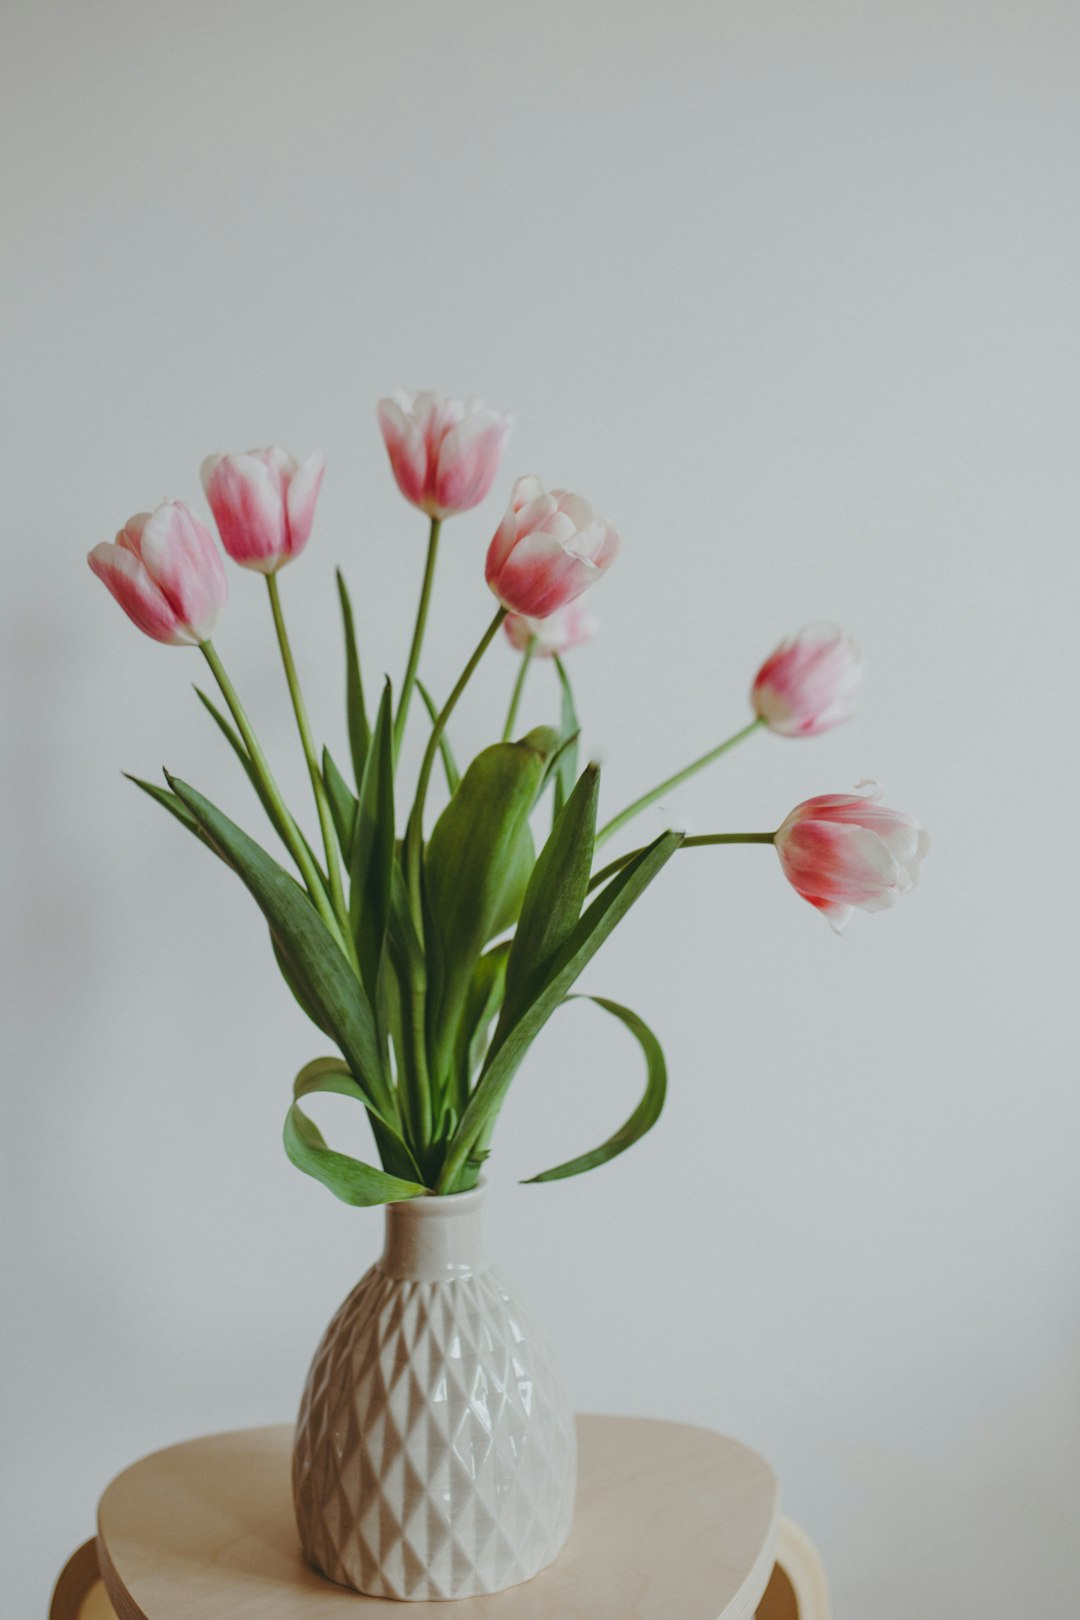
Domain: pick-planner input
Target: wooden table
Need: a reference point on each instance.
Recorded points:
(672, 1523)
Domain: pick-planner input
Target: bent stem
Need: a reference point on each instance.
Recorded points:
(318, 786)
(519, 687)
(699, 842)
(414, 833)
(673, 782)
(413, 664)
(285, 824)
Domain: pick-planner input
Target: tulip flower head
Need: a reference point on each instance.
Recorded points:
(166, 573)
(264, 504)
(547, 550)
(567, 627)
(808, 684)
(843, 850)
(444, 452)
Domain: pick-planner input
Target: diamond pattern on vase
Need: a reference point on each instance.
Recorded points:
(435, 1451)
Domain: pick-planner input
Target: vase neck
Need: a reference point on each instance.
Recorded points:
(435, 1239)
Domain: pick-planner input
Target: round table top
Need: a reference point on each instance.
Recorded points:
(672, 1523)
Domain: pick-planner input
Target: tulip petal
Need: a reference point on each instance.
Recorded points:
(244, 492)
(301, 494)
(444, 453)
(181, 556)
(405, 447)
(547, 550)
(541, 575)
(807, 685)
(126, 576)
(468, 459)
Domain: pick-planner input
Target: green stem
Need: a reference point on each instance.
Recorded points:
(414, 833)
(286, 825)
(318, 786)
(699, 842)
(519, 687)
(672, 782)
(418, 635)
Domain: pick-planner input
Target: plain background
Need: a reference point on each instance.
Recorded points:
(790, 293)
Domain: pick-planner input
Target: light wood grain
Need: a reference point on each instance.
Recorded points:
(79, 1594)
(673, 1523)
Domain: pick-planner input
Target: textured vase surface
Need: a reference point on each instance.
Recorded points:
(435, 1454)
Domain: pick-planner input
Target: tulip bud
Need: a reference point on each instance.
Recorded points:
(444, 452)
(547, 550)
(264, 504)
(567, 627)
(166, 573)
(807, 685)
(843, 850)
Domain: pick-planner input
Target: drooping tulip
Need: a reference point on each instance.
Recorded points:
(547, 550)
(567, 627)
(444, 453)
(808, 684)
(843, 850)
(166, 573)
(263, 502)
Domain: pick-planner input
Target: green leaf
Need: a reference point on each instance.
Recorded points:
(477, 866)
(302, 999)
(235, 742)
(177, 808)
(342, 803)
(556, 892)
(348, 1179)
(648, 1109)
(453, 775)
(371, 863)
(515, 1032)
(323, 977)
(482, 1002)
(173, 805)
(359, 730)
(568, 728)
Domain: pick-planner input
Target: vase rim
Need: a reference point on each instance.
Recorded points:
(432, 1204)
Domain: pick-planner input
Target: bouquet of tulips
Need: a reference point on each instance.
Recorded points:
(433, 958)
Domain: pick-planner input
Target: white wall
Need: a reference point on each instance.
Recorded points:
(790, 291)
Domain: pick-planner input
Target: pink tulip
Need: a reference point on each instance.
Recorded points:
(264, 504)
(444, 452)
(808, 684)
(843, 850)
(166, 573)
(547, 550)
(567, 627)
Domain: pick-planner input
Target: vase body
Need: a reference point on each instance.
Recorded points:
(435, 1452)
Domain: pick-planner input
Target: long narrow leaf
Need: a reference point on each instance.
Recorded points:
(177, 808)
(351, 1180)
(568, 727)
(356, 712)
(446, 753)
(482, 1002)
(173, 805)
(556, 891)
(514, 1035)
(477, 867)
(648, 1109)
(342, 804)
(371, 863)
(321, 971)
(236, 743)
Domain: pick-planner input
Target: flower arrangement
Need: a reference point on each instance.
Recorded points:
(433, 959)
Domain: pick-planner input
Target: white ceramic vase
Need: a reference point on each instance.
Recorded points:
(435, 1454)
